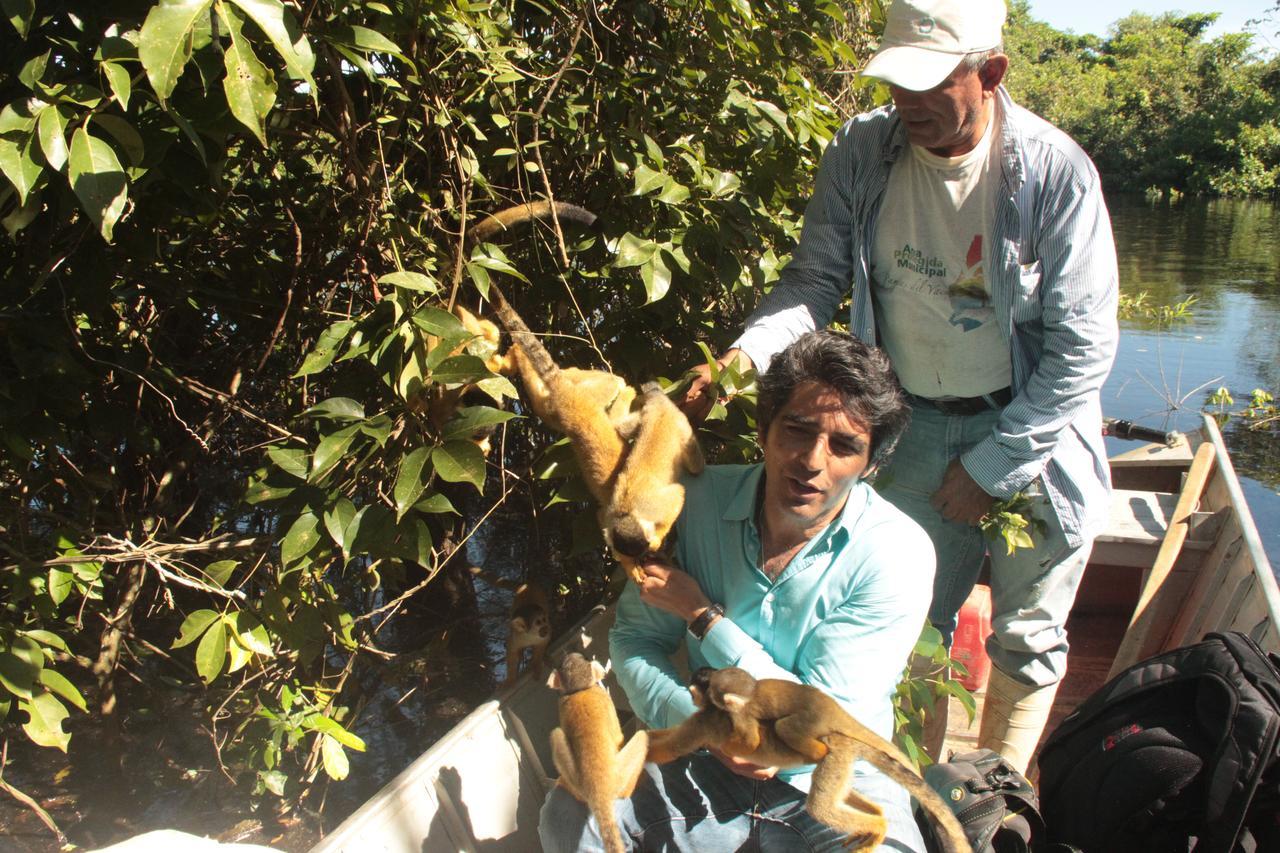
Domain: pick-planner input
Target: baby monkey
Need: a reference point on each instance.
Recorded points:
(587, 747)
(776, 723)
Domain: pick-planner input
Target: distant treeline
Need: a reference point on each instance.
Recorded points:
(1158, 105)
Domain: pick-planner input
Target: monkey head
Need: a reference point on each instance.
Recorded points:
(575, 673)
(700, 684)
(531, 625)
(730, 688)
(642, 529)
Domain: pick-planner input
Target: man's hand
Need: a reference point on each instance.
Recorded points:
(670, 589)
(742, 767)
(699, 397)
(959, 498)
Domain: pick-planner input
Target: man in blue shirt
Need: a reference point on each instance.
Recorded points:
(794, 568)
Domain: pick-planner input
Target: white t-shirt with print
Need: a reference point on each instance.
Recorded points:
(928, 272)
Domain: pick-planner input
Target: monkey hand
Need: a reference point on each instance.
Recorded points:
(742, 767)
(667, 588)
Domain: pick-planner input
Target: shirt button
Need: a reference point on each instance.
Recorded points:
(769, 597)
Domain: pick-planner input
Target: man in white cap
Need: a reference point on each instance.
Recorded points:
(979, 250)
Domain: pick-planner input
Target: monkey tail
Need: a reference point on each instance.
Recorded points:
(896, 768)
(602, 808)
(508, 219)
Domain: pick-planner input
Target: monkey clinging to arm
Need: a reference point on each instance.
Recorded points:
(778, 723)
(587, 747)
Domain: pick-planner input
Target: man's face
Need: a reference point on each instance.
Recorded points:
(949, 119)
(814, 452)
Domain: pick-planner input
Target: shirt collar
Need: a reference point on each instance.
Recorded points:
(742, 507)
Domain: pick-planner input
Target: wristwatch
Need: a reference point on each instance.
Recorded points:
(699, 626)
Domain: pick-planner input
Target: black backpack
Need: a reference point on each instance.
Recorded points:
(994, 803)
(1182, 747)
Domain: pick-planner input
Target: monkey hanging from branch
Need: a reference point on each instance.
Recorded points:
(777, 723)
(587, 748)
(593, 408)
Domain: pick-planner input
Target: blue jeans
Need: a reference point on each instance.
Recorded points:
(697, 804)
(1032, 590)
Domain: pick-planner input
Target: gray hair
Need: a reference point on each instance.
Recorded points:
(859, 373)
(974, 61)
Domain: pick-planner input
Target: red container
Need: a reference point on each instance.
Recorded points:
(970, 643)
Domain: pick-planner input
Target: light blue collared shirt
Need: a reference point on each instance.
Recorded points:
(843, 615)
(1051, 263)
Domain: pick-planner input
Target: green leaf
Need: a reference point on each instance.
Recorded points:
(98, 180)
(409, 482)
(460, 462)
(47, 639)
(336, 520)
(364, 38)
(459, 369)
(775, 115)
(410, 281)
(17, 674)
(125, 134)
(471, 419)
(279, 25)
(249, 632)
(647, 180)
(19, 163)
(330, 450)
(634, 251)
(211, 654)
(335, 758)
(249, 85)
(326, 348)
(656, 276)
(673, 193)
(338, 408)
(274, 781)
(45, 724)
(20, 13)
(118, 80)
(293, 461)
(58, 684)
(303, 535)
(220, 572)
(164, 44)
(52, 129)
(438, 322)
(193, 626)
(61, 582)
(437, 504)
(329, 726)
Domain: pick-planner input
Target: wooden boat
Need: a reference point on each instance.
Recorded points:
(1180, 557)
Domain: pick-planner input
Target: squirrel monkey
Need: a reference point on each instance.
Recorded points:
(595, 768)
(585, 405)
(528, 623)
(777, 723)
(647, 498)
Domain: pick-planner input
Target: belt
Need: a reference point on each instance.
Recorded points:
(968, 405)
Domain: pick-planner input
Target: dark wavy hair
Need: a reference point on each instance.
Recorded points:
(860, 374)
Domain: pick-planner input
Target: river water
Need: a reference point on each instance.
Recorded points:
(1226, 253)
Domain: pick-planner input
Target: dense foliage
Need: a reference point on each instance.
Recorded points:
(1157, 104)
(234, 234)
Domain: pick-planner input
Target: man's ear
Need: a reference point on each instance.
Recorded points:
(992, 72)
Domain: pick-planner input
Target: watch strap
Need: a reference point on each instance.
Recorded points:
(699, 626)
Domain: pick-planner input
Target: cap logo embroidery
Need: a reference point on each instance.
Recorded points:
(924, 26)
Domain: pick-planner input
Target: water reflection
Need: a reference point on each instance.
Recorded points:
(1227, 254)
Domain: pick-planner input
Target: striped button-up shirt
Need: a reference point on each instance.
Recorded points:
(1054, 286)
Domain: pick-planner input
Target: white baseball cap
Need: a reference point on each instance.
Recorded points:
(924, 40)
